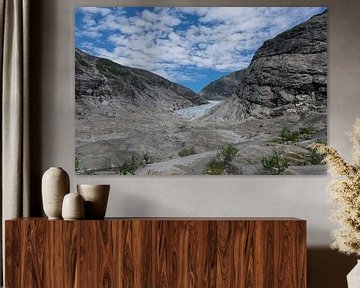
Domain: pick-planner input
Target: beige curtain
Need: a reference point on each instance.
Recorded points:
(14, 27)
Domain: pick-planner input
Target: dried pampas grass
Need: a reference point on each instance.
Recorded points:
(345, 191)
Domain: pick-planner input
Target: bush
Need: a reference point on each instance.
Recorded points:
(314, 157)
(228, 152)
(275, 164)
(221, 163)
(215, 167)
(306, 131)
(187, 152)
(128, 168)
(289, 136)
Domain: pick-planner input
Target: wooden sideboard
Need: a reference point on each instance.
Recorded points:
(156, 252)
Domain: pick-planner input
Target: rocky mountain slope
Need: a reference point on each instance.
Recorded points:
(287, 76)
(101, 81)
(224, 87)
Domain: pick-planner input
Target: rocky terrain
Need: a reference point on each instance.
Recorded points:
(131, 121)
(224, 87)
(100, 83)
(287, 76)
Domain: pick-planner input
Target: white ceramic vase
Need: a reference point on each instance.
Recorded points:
(353, 278)
(55, 185)
(96, 198)
(73, 207)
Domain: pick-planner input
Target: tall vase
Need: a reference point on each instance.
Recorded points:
(55, 185)
(353, 278)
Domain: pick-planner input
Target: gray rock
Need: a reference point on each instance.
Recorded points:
(223, 87)
(104, 81)
(290, 69)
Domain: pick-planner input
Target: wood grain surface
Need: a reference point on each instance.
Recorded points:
(157, 253)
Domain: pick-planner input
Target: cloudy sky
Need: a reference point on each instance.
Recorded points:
(189, 45)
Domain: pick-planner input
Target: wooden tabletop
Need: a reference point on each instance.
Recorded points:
(173, 219)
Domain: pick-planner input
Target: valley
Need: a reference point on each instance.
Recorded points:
(255, 121)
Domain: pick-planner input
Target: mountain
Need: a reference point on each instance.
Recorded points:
(287, 76)
(224, 87)
(101, 81)
(126, 121)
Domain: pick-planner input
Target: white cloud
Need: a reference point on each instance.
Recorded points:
(90, 32)
(221, 39)
(149, 16)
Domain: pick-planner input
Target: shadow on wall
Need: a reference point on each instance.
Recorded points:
(328, 268)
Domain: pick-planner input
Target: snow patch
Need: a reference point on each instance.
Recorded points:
(197, 111)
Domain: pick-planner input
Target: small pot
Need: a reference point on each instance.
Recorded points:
(73, 207)
(96, 198)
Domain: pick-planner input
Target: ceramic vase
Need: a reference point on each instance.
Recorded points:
(55, 185)
(73, 207)
(96, 198)
(353, 278)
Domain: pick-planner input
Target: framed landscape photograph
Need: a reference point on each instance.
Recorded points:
(200, 90)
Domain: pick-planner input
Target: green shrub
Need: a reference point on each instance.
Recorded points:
(187, 152)
(314, 157)
(275, 164)
(128, 168)
(228, 152)
(306, 131)
(215, 167)
(289, 136)
(221, 163)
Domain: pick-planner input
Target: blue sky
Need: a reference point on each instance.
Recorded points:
(191, 46)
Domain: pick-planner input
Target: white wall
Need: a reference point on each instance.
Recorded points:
(298, 196)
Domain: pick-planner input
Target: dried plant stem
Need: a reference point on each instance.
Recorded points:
(345, 191)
